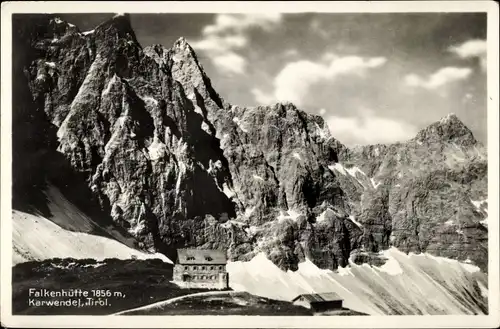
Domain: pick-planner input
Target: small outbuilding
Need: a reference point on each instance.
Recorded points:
(196, 268)
(319, 302)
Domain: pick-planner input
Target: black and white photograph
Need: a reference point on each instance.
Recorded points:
(253, 162)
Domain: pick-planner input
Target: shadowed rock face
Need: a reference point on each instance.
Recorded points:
(164, 156)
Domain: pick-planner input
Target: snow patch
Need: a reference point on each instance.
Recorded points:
(258, 178)
(344, 271)
(249, 211)
(227, 191)
(470, 268)
(321, 217)
(478, 204)
(238, 123)
(353, 219)
(70, 265)
(94, 265)
(324, 133)
(449, 222)
(197, 109)
(483, 289)
(57, 20)
(205, 127)
(251, 230)
(180, 174)
(214, 165)
(375, 185)
(88, 32)
(290, 214)
(112, 81)
(407, 279)
(338, 167)
(232, 222)
(156, 150)
(40, 239)
(150, 100)
(137, 229)
(353, 170)
(391, 266)
(51, 64)
(297, 156)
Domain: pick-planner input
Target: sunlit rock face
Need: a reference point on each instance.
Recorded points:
(159, 153)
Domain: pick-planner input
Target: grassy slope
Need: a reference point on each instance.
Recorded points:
(235, 303)
(142, 281)
(232, 303)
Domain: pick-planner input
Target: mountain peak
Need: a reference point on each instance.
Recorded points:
(182, 46)
(121, 17)
(448, 129)
(117, 15)
(120, 22)
(181, 42)
(184, 55)
(450, 118)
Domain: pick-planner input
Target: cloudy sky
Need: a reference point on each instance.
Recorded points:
(375, 78)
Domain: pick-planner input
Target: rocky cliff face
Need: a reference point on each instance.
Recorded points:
(163, 156)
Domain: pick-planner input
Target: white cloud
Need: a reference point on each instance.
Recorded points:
(219, 44)
(328, 57)
(294, 81)
(261, 97)
(369, 129)
(441, 77)
(228, 34)
(241, 22)
(291, 52)
(230, 62)
(475, 48)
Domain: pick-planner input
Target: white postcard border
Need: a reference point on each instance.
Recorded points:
(491, 320)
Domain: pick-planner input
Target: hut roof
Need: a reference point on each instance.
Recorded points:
(320, 297)
(199, 256)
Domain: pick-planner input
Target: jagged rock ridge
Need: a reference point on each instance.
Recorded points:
(176, 165)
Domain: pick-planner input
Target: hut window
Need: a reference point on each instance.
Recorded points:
(208, 258)
(186, 267)
(190, 258)
(220, 267)
(203, 267)
(194, 267)
(211, 267)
